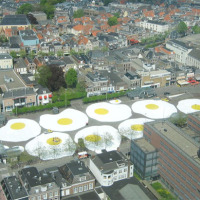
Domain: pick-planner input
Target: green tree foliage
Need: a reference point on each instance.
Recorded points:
(71, 78)
(79, 13)
(25, 9)
(22, 53)
(117, 14)
(81, 144)
(3, 39)
(49, 10)
(196, 29)
(182, 28)
(106, 2)
(13, 54)
(178, 119)
(60, 53)
(48, 7)
(112, 21)
(42, 75)
(56, 80)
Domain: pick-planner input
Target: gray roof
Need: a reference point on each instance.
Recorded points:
(15, 188)
(15, 40)
(67, 60)
(28, 35)
(10, 80)
(23, 92)
(144, 145)
(128, 189)
(15, 20)
(156, 22)
(109, 161)
(195, 53)
(34, 178)
(4, 56)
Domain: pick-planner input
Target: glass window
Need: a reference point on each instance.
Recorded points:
(90, 186)
(75, 190)
(81, 189)
(56, 193)
(85, 187)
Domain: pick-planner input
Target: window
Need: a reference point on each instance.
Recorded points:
(44, 196)
(81, 189)
(75, 190)
(104, 177)
(85, 187)
(39, 197)
(56, 193)
(90, 186)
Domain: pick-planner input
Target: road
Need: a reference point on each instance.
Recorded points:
(187, 92)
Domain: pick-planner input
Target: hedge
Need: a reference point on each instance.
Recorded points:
(103, 97)
(49, 106)
(71, 96)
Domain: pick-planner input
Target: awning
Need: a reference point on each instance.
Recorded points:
(45, 96)
(40, 97)
(50, 95)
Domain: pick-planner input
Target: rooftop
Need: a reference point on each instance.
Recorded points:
(15, 20)
(178, 139)
(145, 145)
(15, 188)
(5, 56)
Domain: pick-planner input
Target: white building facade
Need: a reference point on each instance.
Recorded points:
(156, 26)
(109, 167)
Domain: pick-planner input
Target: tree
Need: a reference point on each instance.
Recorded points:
(32, 19)
(108, 138)
(31, 54)
(117, 14)
(49, 10)
(78, 14)
(13, 54)
(25, 9)
(106, 2)
(3, 38)
(178, 119)
(81, 144)
(196, 29)
(112, 21)
(56, 80)
(22, 53)
(71, 78)
(42, 75)
(182, 28)
(60, 53)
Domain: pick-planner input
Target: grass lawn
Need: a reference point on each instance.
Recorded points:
(164, 193)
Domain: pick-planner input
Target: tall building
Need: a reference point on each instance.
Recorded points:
(178, 162)
(144, 156)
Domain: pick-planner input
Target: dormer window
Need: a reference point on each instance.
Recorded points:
(82, 178)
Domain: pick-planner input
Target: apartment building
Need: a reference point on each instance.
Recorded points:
(179, 160)
(156, 26)
(180, 49)
(193, 121)
(111, 166)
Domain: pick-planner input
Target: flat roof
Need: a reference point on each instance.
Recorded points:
(145, 145)
(10, 74)
(178, 139)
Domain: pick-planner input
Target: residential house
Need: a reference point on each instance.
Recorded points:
(13, 189)
(69, 63)
(31, 66)
(18, 98)
(29, 38)
(39, 185)
(19, 21)
(96, 84)
(40, 16)
(78, 178)
(44, 95)
(20, 66)
(111, 166)
(6, 61)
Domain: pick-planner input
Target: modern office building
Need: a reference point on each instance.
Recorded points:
(144, 156)
(179, 160)
(193, 121)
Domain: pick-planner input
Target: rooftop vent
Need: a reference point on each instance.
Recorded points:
(165, 129)
(198, 153)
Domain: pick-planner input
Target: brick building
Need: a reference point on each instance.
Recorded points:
(178, 162)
